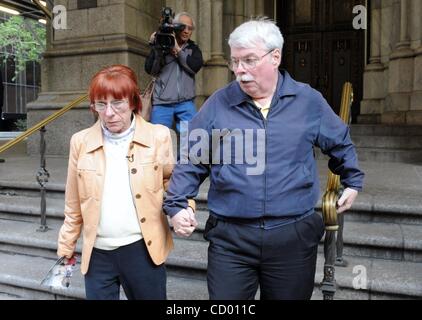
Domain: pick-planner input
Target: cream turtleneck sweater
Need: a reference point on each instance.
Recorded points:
(119, 224)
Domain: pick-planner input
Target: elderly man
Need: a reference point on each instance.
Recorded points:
(262, 229)
(175, 70)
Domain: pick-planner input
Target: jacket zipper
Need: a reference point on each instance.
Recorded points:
(264, 121)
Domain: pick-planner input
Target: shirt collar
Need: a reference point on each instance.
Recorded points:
(286, 86)
(142, 134)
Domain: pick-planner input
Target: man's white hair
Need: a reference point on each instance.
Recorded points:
(255, 32)
(181, 14)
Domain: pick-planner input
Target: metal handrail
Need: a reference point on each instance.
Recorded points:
(333, 221)
(42, 175)
(330, 197)
(46, 11)
(42, 124)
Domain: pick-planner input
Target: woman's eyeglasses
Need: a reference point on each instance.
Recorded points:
(116, 105)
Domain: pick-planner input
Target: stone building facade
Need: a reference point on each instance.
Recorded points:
(393, 76)
(104, 32)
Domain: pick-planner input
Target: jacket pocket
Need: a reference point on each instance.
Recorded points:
(86, 183)
(152, 176)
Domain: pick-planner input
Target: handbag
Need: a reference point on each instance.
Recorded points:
(146, 100)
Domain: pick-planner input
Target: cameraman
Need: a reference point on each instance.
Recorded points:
(175, 71)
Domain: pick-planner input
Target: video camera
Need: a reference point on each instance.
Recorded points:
(164, 38)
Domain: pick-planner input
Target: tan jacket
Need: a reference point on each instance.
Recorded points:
(150, 162)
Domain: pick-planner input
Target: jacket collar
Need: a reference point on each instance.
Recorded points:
(142, 134)
(286, 86)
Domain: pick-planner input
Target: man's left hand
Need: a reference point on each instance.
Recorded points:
(176, 49)
(346, 200)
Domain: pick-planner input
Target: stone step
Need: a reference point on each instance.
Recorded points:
(189, 259)
(24, 208)
(385, 130)
(383, 143)
(6, 296)
(385, 278)
(364, 231)
(382, 155)
(387, 207)
(374, 239)
(20, 276)
(388, 142)
(18, 150)
(390, 155)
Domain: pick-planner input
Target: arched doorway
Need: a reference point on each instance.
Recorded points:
(322, 47)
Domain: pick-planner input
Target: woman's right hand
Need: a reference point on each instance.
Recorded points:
(71, 260)
(184, 222)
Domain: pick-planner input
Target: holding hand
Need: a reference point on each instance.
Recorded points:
(184, 222)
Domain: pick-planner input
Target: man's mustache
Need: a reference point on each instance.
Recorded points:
(244, 77)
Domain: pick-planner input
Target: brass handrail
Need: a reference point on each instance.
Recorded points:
(43, 9)
(41, 124)
(333, 221)
(329, 200)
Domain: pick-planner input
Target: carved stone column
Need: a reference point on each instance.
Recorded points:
(404, 26)
(216, 73)
(217, 31)
(374, 91)
(98, 35)
(239, 11)
(259, 8)
(250, 7)
(401, 74)
(415, 115)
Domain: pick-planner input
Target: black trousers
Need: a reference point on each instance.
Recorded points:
(281, 261)
(129, 266)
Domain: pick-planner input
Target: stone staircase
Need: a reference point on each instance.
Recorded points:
(383, 235)
(384, 143)
(388, 143)
(18, 150)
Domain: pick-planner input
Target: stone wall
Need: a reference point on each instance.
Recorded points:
(392, 79)
(117, 31)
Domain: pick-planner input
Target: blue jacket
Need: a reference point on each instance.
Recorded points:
(288, 185)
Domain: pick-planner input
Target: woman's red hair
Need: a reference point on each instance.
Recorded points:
(118, 81)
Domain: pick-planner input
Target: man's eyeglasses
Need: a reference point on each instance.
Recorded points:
(182, 27)
(247, 63)
(116, 105)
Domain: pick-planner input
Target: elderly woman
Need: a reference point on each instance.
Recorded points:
(118, 170)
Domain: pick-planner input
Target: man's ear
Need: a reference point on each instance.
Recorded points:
(276, 57)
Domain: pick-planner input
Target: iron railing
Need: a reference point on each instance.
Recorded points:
(42, 174)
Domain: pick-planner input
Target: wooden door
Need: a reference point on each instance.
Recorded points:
(322, 48)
